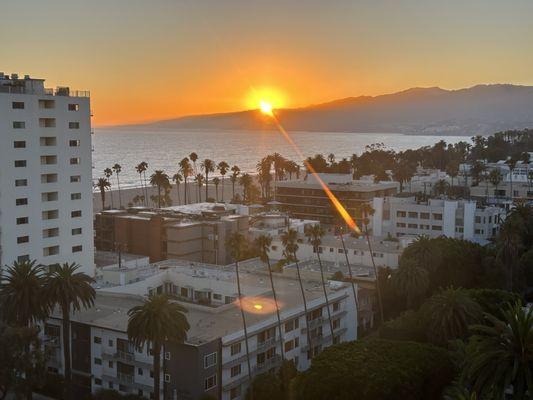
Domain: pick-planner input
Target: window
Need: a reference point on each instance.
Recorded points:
(400, 225)
(437, 217)
(17, 105)
(167, 378)
(48, 141)
(235, 392)
(139, 371)
(22, 220)
(336, 306)
(74, 143)
(292, 324)
(210, 360)
(217, 296)
(19, 144)
(20, 163)
(412, 226)
(23, 239)
(47, 103)
(75, 178)
(21, 182)
(74, 161)
(51, 232)
(21, 202)
(110, 385)
(110, 342)
(49, 196)
(98, 361)
(51, 251)
(235, 348)
(23, 258)
(97, 340)
(167, 355)
(48, 178)
(436, 228)
(236, 370)
(77, 249)
(412, 214)
(336, 323)
(210, 382)
(401, 214)
(19, 125)
(140, 393)
(75, 196)
(110, 364)
(73, 125)
(50, 214)
(75, 214)
(73, 107)
(76, 231)
(48, 160)
(292, 344)
(47, 122)
(98, 381)
(424, 215)
(478, 219)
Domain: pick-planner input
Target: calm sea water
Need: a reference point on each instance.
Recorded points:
(163, 149)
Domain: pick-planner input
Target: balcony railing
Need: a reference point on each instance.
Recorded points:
(125, 378)
(125, 355)
(265, 344)
(268, 364)
(45, 92)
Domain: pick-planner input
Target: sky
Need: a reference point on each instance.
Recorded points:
(147, 60)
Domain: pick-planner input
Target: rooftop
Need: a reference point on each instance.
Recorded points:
(351, 186)
(27, 85)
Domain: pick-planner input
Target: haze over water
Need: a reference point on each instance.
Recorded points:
(164, 149)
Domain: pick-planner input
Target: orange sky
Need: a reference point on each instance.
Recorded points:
(152, 60)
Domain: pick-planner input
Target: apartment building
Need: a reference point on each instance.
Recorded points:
(213, 359)
(306, 199)
(45, 174)
(169, 234)
(451, 218)
(274, 223)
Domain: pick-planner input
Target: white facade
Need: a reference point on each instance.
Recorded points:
(45, 174)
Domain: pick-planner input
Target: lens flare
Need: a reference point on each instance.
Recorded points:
(265, 107)
(336, 203)
(258, 305)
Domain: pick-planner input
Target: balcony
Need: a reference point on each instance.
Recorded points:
(124, 378)
(264, 345)
(313, 324)
(267, 365)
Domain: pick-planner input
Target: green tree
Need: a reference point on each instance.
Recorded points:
(235, 171)
(194, 157)
(223, 168)
(177, 178)
(499, 355)
(216, 182)
(118, 168)
(154, 323)
(208, 166)
(161, 180)
(186, 171)
(102, 184)
(411, 280)
(141, 170)
(495, 178)
(71, 291)
(246, 181)
(199, 179)
(108, 173)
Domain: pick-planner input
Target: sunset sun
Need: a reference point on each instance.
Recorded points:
(265, 99)
(265, 107)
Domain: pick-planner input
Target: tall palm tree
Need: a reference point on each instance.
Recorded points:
(366, 211)
(495, 178)
(236, 243)
(153, 323)
(208, 166)
(350, 274)
(21, 294)
(194, 157)
(141, 170)
(511, 163)
(199, 179)
(508, 248)
(186, 171)
(235, 171)
(410, 280)
(499, 355)
(178, 178)
(245, 181)
(223, 168)
(314, 235)
(216, 182)
(102, 184)
(289, 240)
(423, 251)
(118, 168)
(449, 313)
(161, 180)
(264, 243)
(108, 173)
(441, 186)
(71, 291)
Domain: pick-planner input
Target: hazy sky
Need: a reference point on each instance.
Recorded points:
(153, 59)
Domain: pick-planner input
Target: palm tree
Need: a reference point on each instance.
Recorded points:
(223, 168)
(153, 323)
(314, 235)
(208, 166)
(178, 178)
(186, 171)
(350, 274)
(245, 181)
(108, 172)
(161, 180)
(236, 243)
(449, 313)
(289, 241)
(508, 248)
(193, 156)
(263, 243)
(216, 182)
(71, 291)
(410, 280)
(199, 179)
(441, 186)
(141, 170)
(511, 162)
(235, 171)
(499, 355)
(452, 169)
(495, 178)
(117, 168)
(21, 294)
(102, 184)
(423, 251)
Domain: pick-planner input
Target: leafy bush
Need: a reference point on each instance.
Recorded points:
(376, 369)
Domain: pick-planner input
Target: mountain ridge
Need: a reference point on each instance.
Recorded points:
(480, 109)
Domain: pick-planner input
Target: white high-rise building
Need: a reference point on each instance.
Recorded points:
(45, 174)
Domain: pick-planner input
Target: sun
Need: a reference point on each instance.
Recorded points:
(265, 107)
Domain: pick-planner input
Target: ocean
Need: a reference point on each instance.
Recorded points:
(163, 149)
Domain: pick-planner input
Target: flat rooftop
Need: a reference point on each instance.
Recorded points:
(209, 323)
(105, 258)
(352, 186)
